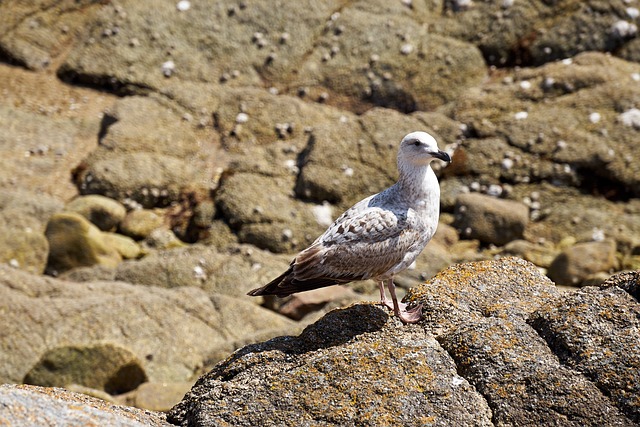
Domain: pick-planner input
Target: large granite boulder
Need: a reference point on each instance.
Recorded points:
(492, 349)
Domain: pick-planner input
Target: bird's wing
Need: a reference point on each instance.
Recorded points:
(358, 246)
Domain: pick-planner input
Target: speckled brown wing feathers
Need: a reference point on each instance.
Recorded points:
(356, 247)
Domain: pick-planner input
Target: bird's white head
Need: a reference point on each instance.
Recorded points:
(419, 149)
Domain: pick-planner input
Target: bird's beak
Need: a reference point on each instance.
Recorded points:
(442, 155)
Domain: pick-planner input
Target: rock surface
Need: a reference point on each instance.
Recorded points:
(490, 220)
(76, 242)
(172, 332)
(228, 130)
(25, 405)
(578, 262)
(105, 367)
(488, 352)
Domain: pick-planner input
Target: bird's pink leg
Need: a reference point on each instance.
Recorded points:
(383, 296)
(400, 309)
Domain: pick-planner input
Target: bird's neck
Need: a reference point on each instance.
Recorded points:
(420, 184)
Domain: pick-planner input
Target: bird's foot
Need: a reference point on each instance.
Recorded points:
(412, 315)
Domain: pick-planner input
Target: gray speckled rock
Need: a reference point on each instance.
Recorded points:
(513, 368)
(489, 219)
(389, 60)
(525, 32)
(589, 148)
(25, 405)
(358, 366)
(597, 333)
(149, 155)
(578, 262)
(350, 368)
(215, 271)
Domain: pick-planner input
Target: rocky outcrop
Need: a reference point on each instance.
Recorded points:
(230, 130)
(493, 349)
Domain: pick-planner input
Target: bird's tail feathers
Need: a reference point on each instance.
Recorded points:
(285, 285)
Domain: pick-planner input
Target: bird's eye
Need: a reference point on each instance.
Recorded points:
(416, 142)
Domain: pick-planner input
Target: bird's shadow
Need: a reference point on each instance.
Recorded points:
(335, 328)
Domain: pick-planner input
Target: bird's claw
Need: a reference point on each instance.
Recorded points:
(412, 315)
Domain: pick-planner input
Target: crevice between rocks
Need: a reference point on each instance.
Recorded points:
(460, 372)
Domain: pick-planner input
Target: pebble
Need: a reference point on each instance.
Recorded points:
(291, 166)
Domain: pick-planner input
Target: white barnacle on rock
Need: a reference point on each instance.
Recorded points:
(594, 117)
(406, 48)
(630, 118)
(506, 4)
(597, 234)
(494, 190)
(287, 234)
(624, 29)
(521, 115)
(507, 163)
(323, 214)
(199, 273)
(632, 12)
(456, 381)
(242, 118)
(168, 68)
(291, 166)
(183, 5)
(525, 84)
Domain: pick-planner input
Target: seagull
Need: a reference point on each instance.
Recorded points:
(376, 238)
